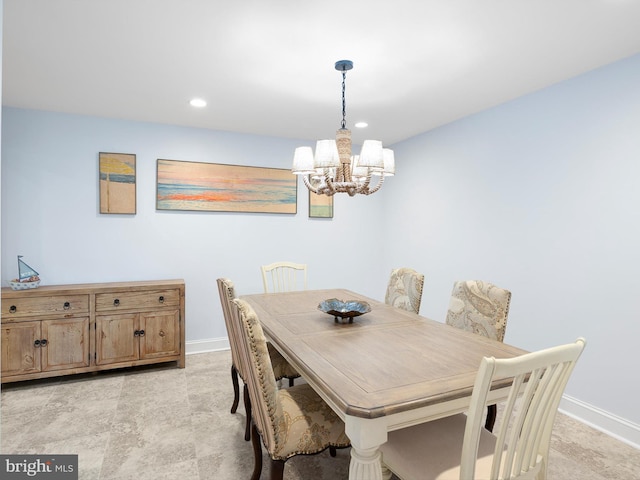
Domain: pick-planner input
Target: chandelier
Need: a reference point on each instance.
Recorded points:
(333, 169)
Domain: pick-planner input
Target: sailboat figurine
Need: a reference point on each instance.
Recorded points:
(27, 277)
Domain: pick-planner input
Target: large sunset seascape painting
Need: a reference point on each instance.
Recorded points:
(197, 186)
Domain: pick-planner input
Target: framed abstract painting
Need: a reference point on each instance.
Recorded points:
(117, 183)
(214, 187)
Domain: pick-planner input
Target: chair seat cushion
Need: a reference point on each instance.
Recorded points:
(432, 450)
(308, 424)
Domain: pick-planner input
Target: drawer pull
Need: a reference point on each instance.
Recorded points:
(116, 302)
(161, 299)
(66, 305)
(13, 309)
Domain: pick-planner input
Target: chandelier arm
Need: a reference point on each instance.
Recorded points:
(377, 187)
(305, 179)
(329, 181)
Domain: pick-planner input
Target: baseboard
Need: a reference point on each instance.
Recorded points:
(210, 345)
(614, 426)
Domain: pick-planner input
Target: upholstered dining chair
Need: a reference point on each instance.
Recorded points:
(284, 277)
(480, 307)
(457, 447)
(281, 367)
(405, 289)
(290, 421)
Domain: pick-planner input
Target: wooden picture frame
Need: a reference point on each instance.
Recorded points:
(320, 206)
(215, 187)
(117, 178)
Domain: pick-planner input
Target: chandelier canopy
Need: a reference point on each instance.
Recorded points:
(333, 169)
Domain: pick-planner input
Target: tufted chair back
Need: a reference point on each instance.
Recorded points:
(291, 421)
(405, 289)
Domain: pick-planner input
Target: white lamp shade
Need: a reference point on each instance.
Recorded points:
(371, 155)
(326, 154)
(303, 161)
(356, 170)
(389, 163)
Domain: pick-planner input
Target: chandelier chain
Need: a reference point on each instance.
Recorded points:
(344, 103)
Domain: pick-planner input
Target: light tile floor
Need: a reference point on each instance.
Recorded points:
(162, 422)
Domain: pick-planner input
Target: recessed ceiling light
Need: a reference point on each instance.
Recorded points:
(198, 102)
(362, 125)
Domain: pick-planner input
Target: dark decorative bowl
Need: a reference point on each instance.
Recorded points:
(344, 309)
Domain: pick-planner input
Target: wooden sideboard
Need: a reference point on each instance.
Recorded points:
(67, 329)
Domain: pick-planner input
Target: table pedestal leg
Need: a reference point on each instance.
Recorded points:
(365, 464)
(366, 435)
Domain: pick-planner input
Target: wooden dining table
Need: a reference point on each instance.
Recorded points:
(388, 369)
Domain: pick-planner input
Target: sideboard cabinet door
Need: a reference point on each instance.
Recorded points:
(115, 338)
(19, 352)
(161, 334)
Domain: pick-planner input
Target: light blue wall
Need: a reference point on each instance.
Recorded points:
(540, 196)
(50, 215)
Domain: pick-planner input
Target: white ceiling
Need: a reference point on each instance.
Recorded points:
(267, 66)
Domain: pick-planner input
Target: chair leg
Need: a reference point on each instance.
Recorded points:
(291, 382)
(277, 469)
(332, 451)
(236, 388)
(492, 410)
(257, 453)
(247, 409)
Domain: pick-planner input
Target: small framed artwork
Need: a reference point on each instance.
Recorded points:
(214, 187)
(320, 206)
(117, 183)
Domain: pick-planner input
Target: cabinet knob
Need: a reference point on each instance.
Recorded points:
(161, 299)
(43, 342)
(142, 333)
(66, 305)
(116, 302)
(13, 309)
(36, 343)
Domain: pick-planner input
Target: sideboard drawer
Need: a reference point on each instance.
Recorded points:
(46, 305)
(109, 302)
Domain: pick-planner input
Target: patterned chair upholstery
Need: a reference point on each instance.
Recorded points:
(482, 308)
(281, 367)
(291, 421)
(405, 289)
(479, 307)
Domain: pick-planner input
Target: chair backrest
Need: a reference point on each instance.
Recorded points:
(405, 289)
(284, 277)
(479, 307)
(522, 445)
(229, 311)
(263, 391)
